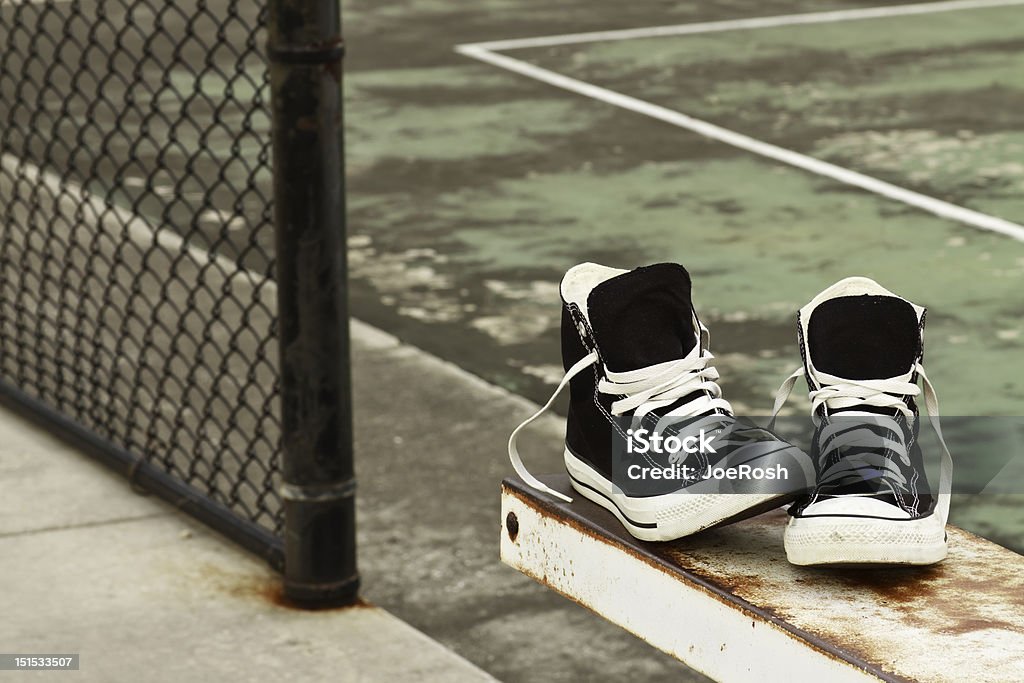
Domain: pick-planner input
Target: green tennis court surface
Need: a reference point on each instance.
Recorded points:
(474, 189)
(931, 102)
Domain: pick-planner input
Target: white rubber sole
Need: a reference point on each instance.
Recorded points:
(836, 541)
(671, 516)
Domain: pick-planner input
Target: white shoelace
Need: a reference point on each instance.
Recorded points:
(642, 390)
(845, 393)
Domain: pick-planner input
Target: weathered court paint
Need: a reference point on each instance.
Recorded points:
(956, 76)
(607, 187)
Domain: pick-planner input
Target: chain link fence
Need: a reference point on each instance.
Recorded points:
(136, 243)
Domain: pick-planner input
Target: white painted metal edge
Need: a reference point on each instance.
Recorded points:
(685, 620)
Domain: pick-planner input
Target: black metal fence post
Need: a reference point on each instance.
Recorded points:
(305, 51)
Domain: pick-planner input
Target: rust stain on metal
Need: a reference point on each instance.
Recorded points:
(849, 615)
(947, 599)
(766, 615)
(970, 592)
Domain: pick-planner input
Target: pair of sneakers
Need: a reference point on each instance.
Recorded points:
(637, 362)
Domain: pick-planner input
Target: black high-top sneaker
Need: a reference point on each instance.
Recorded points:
(638, 367)
(862, 349)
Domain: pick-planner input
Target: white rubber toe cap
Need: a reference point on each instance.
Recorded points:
(855, 505)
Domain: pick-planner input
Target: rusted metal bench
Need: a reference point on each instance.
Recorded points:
(727, 603)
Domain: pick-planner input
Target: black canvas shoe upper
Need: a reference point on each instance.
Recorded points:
(642, 321)
(635, 320)
(868, 337)
(864, 337)
(863, 351)
(642, 317)
(636, 358)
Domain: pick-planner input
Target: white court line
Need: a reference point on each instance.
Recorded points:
(935, 206)
(741, 24)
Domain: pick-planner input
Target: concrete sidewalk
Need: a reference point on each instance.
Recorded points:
(144, 594)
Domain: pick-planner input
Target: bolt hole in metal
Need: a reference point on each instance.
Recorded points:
(512, 526)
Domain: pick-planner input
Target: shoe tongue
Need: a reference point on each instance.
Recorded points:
(643, 317)
(864, 337)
